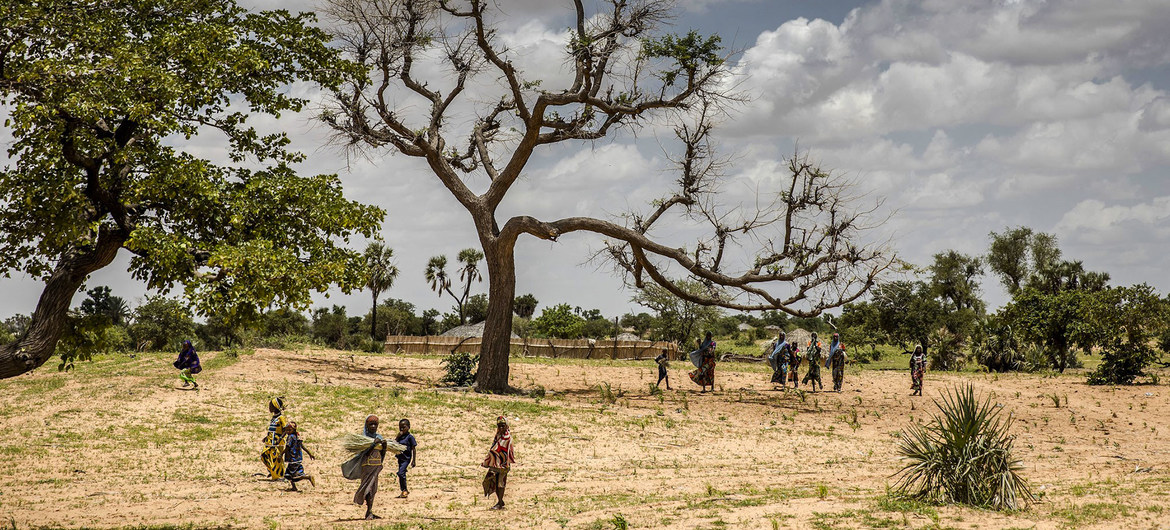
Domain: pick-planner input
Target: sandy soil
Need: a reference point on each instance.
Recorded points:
(117, 443)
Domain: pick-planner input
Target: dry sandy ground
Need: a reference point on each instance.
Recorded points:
(116, 443)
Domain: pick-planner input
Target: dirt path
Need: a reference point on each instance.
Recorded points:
(116, 443)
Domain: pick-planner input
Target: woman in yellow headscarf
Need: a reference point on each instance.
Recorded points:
(273, 454)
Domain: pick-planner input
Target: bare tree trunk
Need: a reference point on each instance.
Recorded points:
(37, 345)
(497, 330)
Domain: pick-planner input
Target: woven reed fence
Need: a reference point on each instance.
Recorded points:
(573, 349)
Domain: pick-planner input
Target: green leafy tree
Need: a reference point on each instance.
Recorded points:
(524, 306)
(100, 303)
(1058, 322)
(954, 277)
(430, 322)
(640, 322)
(380, 274)
(1008, 257)
(805, 246)
(558, 322)
(476, 308)
(677, 319)
(161, 323)
(283, 322)
(101, 99)
(1132, 318)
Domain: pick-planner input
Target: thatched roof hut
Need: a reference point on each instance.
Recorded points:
(469, 330)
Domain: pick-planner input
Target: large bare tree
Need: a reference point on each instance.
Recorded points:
(798, 249)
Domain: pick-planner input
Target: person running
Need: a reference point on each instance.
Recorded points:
(814, 357)
(188, 365)
(836, 362)
(499, 460)
(294, 469)
(704, 375)
(371, 467)
(779, 358)
(407, 457)
(273, 454)
(917, 369)
(663, 375)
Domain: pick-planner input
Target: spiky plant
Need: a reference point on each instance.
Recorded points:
(964, 455)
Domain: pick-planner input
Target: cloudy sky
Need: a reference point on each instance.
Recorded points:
(966, 116)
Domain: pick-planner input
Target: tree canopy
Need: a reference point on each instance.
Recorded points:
(108, 103)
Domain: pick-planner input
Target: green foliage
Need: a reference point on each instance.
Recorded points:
(161, 323)
(1058, 322)
(1132, 317)
(558, 322)
(460, 369)
(476, 309)
(88, 335)
(599, 327)
(524, 306)
(95, 164)
(676, 319)
(964, 455)
(1008, 257)
(641, 322)
(954, 278)
(691, 55)
(101, 303)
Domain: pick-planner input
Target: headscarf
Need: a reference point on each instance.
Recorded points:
(781, 342)
(187, 347)
(366, 427)
(277, 403)
(502, 444)
(833, 347)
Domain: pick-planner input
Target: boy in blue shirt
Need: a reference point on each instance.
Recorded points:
(407, 457)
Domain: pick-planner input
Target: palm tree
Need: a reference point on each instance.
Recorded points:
(469, 272)
(440, 281)
(380, 274)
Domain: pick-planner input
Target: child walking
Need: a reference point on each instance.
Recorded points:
(662, 366)
(188, 364)
(294, 469)
(407, 457)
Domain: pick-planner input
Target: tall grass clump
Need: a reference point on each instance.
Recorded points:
(460, 369)
(964, 455)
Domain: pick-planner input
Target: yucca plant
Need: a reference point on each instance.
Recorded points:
(964, 455)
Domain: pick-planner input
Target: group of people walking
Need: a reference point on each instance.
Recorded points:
(283, 449)
(785, 359)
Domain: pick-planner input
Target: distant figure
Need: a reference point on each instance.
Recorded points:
(696, 356)
(917, 369)
(794, 365)
(814, 357)
(371, 467)
(663, 364)
(294, 469)
(779, 359)
(273, 454)
(405, 458)
(704, 375)
(498, 461)
(836, 362)
(188, 364)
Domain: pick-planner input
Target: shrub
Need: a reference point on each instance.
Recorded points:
(1122, 364)
(461, 367)
(964, 455)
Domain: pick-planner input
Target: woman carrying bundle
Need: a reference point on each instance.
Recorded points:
(369, 450)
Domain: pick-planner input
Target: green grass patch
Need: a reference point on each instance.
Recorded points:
(1092, 513)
